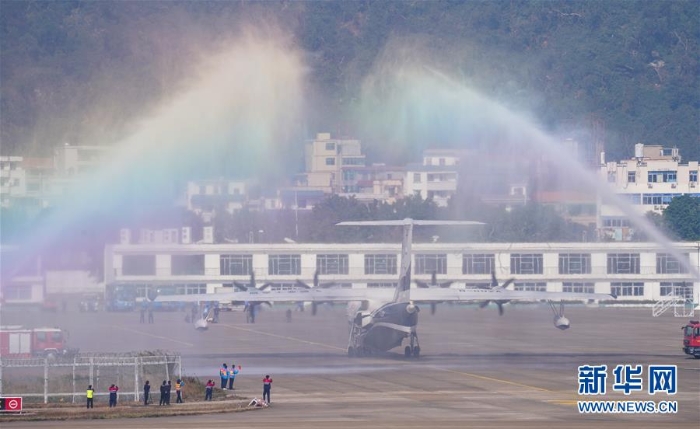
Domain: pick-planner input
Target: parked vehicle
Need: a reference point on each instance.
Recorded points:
(691, 338)
(19, 342)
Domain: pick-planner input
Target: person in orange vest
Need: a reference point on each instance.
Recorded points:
(178, 390)
(223, 373)
(89, 394)
(267, 386)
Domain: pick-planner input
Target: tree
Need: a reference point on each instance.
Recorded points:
(682, 217)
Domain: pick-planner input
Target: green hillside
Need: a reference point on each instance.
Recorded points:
(628, 69)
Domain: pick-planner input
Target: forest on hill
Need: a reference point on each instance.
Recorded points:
(626, 70)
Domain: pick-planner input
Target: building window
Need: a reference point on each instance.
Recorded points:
(18, 293)
(380, 285)
(526, 263)
(139, 265)
(616, 222)
(661, 177)
(682, 289)
(380, 264)
(431, 263)
(187, 265)
(279, 287)
(623, 263)
(631, 176)
(657, 198)
(332, 264)
(627, 289)
(442, 161)
(693, 176)
(186, 289)
(574, 263)
(330, 161)
(631, 198)
(416, 178)
(236, 265)
(478, 285)
(531, 286)
(478, 263)
(330, 146)
(578, 287)
(668, 264)
(280, 265)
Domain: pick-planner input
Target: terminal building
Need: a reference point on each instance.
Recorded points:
(632, 271)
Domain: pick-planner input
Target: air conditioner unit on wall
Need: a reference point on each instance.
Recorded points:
(693, 184)
(650, 185)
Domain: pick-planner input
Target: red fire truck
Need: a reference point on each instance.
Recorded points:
(19, 342)
(691, 338)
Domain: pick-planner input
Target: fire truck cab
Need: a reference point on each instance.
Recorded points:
(19, 342)
(691, 338)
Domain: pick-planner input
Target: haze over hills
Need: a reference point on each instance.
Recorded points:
(623, 72)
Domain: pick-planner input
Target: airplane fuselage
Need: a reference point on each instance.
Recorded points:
(387, 326)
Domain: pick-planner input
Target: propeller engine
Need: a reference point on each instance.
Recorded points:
(251, 286)
(314, 305)
(433, 284)
(494, 286)
(561, 322)
(412, 308)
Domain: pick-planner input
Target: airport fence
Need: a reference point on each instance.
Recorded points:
(66, 379)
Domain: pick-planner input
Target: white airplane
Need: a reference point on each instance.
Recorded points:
(381, 319)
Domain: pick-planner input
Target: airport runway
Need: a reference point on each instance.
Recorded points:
(476, 369)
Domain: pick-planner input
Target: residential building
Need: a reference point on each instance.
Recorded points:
(435, 178)
(13, 180)
(648, 181)
(376, 182)
(204, 197)
(325, 159)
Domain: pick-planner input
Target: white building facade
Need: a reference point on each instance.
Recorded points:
(325, 158)
(436, 178)
(632, 271)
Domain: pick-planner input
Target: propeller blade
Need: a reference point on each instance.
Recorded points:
(421, 284)
(303, 285)
(500, 308)
(252, 280)
(484, 304)
(314, 308)
(507, 283)
(494, 281)
(446, 284)
(433, 308)
(240, 286)
(265, 286)
(433, 279)
(316, 278)
(326, 285)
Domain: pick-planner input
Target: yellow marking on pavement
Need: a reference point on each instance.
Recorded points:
(153, 335)
(563, 401)
(282, 337)
(499, 380)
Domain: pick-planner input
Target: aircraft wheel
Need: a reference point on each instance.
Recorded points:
(416, 351)
(351, 352)
(407, 351)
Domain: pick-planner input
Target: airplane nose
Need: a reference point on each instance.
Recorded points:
(411, 308)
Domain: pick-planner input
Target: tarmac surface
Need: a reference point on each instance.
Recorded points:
(476, 368)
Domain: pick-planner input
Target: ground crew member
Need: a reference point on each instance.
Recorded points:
(167, 393)
(232, 373)
(163, 387)
(113, 389)
(89, 394)
(178, 389)
(209, 390)
(267, 385)
(142, 319)
(146, 392)
(150, 314)
(223, 373)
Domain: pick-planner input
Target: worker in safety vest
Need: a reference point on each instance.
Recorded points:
(89, 394)
(223, 373)
(178, 390)
(232, 373)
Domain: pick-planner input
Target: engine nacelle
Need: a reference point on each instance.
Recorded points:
(411, 308)
(561, 322)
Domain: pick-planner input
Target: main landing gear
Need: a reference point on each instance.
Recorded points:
(414, 349)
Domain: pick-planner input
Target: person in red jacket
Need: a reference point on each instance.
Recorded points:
(113, 389)
(267, 385)
(209, 390)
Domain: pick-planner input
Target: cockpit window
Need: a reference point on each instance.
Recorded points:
(56, 336)
(697, 331)
(41, 336)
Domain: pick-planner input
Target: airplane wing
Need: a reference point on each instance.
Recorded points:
(307, 295)
(466, 295)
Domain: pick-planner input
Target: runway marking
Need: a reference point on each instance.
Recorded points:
(499, 380)
(153, 335)
(282, 337)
